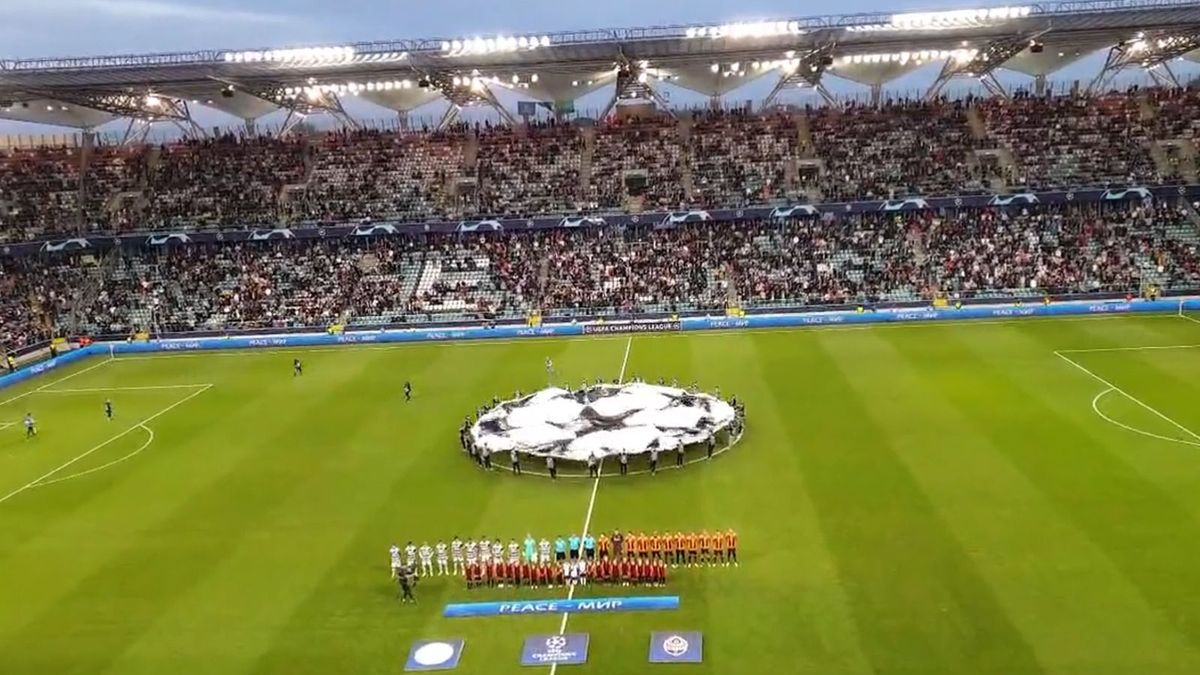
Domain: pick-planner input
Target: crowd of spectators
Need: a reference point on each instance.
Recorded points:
(1073, 141)
(896, 149)
(703, 160)
(641, 159)
(739, 157)
(867, 258)
(528, 170)
(372, 174)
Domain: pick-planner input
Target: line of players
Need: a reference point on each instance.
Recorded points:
(625, 571)
(673, 549)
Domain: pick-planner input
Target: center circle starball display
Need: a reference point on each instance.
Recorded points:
(601, 423)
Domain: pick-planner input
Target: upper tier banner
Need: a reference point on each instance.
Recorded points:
(661, 219)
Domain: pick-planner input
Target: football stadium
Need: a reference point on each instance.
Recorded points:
(829, 379)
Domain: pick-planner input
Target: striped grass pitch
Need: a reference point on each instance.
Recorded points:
(1015, 497)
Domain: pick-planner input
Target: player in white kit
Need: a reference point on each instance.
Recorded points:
(410, 555)
(456, 555)
(514, 552)
(485, 551)
(443, 558)
(394, 552)
(426, 553)
(544, 551)
(497, 551)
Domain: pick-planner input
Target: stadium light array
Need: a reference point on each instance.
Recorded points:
(745, 29)
(497, 45)
(959, 18)
(918, 56)
(314, 91)
(302, 56)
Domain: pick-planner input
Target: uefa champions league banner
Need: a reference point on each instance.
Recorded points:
(251, 232)
(610, 327)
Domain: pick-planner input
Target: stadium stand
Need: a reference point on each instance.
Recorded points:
(704, 159)
(712, 159)
(704, 267)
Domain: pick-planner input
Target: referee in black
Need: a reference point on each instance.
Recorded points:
(406, 581)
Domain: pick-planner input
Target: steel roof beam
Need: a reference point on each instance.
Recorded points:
(810, 69)
(985, 61)
(1151, 53)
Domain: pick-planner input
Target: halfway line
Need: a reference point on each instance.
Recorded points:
(587, 519)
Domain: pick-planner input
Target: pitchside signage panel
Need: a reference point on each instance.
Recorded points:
(559, 606)
(685, 646)
(565, 650)
(434, 654)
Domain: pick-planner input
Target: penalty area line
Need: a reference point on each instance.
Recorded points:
(1127, 395)
(140, 425)
(591, 507)
(100, 390)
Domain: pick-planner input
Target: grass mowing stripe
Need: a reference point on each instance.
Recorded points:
(1043, 567)
(180, 547)
(882, 527)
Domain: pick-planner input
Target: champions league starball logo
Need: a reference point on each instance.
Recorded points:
(675, 645)
(555, 644)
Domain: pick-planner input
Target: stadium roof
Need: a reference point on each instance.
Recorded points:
(713, 60)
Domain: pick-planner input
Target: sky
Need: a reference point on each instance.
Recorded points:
(85, 27)
(32, 28)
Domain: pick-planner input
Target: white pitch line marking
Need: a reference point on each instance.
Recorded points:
(1129, 396)
(587, 519)
(46, 386)
(1148, 348)
(156, 387)
(1189, 318)
(149, 440)
(1106, 418)
(85, 454)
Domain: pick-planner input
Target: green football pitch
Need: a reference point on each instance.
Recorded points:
(995, 497)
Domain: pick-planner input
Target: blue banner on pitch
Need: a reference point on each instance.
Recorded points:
(686, 646)
(634, 604)
(565, 650)
(434, 654)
